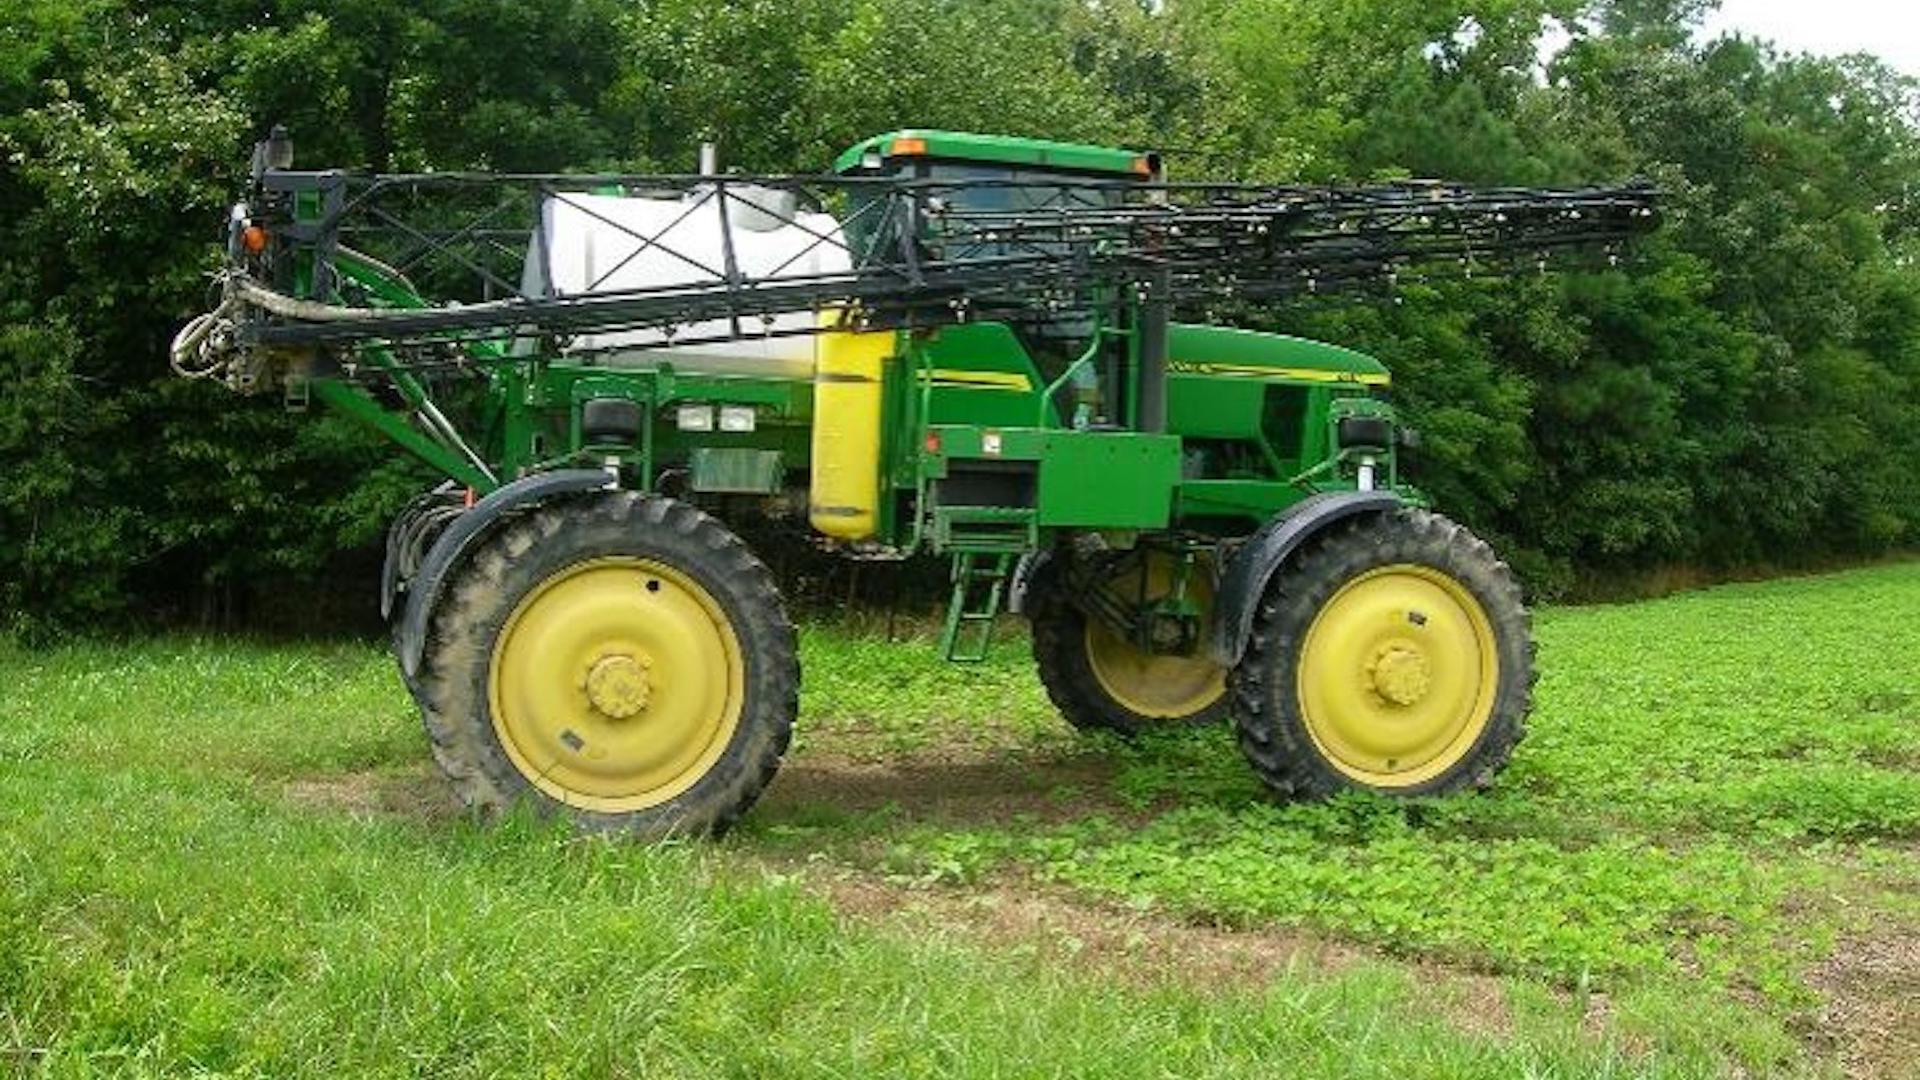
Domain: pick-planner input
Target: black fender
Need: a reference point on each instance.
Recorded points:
(1246, 575)
(467, 530)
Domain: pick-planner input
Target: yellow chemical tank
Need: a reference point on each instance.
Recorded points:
(843, 499)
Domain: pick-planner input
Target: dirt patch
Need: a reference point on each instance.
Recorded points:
(417, 793)
(993, 788)
(955, 786)
(1145, 949)
(1871, 1021)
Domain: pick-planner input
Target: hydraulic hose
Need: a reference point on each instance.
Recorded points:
(190, 357)
(288, 307)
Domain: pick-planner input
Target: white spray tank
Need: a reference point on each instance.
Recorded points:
(589, 243)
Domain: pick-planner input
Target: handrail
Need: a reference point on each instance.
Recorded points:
(1087, 357)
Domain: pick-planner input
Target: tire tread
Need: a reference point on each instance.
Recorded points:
(1267, 722)
(452, 681)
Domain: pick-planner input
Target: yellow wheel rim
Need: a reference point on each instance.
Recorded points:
(1151, 685)
(616, 684)
(1397, 676)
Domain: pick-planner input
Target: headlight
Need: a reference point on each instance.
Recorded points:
(1373, 431)
(736, 418)
(694, 418)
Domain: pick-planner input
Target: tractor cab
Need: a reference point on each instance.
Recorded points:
(1016, 181)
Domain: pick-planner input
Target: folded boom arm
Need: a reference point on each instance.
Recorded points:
(905, 252)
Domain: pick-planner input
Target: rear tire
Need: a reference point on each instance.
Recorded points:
(1392, 655)
(620, 658)
(1100, 682)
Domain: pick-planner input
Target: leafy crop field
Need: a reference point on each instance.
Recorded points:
(233, 859)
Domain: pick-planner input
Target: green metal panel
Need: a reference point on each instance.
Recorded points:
(958, 441)
(1092, 479)
(954, 403)
(1108, 480)
(1249, 500)
(978, 346)
(781, 399)
(1227, 352)
(1007, 149)
(1316, 443)
(978, 373)
(900, 457)
(1207, 407)
(736, 470)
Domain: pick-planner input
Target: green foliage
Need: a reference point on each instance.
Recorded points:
(121, 474)
(1745, 389)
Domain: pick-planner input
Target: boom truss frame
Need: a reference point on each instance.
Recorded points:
(918, 251)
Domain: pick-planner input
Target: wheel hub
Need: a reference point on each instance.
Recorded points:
(1400, 675)
(617, 685)
(1397, 675)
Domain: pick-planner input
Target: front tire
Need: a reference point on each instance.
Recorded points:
(1392, 655)
(621, 658)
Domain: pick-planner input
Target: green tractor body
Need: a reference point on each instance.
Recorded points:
(976, 358)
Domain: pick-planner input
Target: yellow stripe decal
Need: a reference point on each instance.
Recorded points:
(1011, 380)
(1296, 374)
(981, 380)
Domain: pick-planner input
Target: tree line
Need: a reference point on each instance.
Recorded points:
(1744, 390)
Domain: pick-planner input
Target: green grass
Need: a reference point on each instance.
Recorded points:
(224, 858)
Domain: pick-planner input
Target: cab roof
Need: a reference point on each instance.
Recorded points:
(1001, 149)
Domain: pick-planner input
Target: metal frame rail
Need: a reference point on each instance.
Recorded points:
(919, 252)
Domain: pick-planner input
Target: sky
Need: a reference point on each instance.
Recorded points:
(1890, 29)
